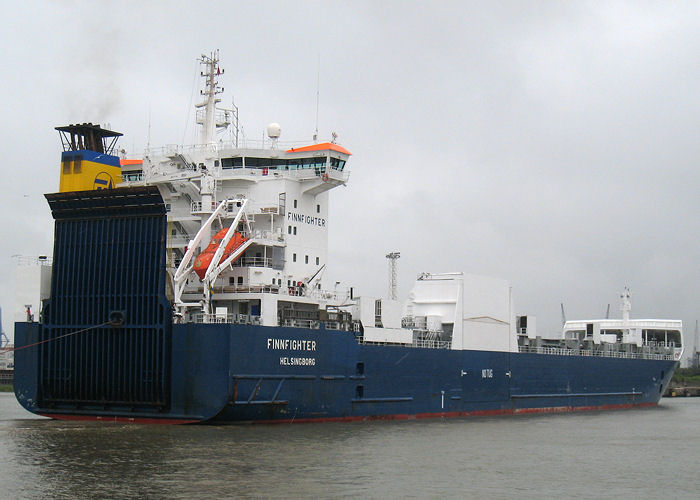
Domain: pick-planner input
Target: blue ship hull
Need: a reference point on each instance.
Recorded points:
(244, 373)
(107, 348)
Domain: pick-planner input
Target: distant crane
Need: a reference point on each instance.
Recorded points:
(393, 257)
(4, 341)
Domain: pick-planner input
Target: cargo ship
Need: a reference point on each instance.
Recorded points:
(190, 285)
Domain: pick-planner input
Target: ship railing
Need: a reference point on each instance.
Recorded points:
(247, 289)
(339, 325)
(253, 262)
(604, 353)
(432, 344)
(173, 149)
(311, 324)
(243, 319)
(418, 343)
(261, 234)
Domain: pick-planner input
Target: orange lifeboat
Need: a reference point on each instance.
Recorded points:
(201, 263)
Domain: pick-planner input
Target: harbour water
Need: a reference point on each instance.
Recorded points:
(639, 453)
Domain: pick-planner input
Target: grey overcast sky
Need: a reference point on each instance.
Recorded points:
(552, 144)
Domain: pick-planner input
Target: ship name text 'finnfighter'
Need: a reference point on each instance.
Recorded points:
(291, 345)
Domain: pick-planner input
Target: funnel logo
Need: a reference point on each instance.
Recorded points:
(103, 181)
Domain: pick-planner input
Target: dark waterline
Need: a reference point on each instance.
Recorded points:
(645, 453)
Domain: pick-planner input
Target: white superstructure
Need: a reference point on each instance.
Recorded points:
(248, 242)
(276, 198)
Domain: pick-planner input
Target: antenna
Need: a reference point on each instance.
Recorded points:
(318, 87)
(563, 315)
(234, 113)
(148, 141)
(696, 359)
(607, 313)
(393, 257)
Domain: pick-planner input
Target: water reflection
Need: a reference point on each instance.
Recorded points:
(491, 457)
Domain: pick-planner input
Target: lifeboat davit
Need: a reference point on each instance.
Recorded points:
(201, 263)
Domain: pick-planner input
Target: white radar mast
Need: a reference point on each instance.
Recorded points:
(626, 305)
(209, 116)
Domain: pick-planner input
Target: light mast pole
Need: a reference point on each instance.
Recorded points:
(393, 257)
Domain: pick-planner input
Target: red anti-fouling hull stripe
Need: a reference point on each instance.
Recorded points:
(119, 420)
(452, 414)
(399, 416)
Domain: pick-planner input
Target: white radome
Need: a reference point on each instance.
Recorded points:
(274, 130)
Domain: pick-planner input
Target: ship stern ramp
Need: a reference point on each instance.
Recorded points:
(106, 347)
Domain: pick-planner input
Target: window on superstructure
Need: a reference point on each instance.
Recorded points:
(231, 163)
(295, 203)
(231, 280)
(317, 260)
(295, 230)
(77, 164)
(294, 257)
(306, 259)
(289, 230)
(318, 209)
(337, 164)
(240, 280)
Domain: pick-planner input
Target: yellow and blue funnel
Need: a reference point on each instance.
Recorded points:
(87, 162)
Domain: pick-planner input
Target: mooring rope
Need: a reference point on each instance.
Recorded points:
(59, 337)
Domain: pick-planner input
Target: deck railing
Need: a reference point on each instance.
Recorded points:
(598, 353)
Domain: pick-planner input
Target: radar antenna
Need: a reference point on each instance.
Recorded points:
(393, 257)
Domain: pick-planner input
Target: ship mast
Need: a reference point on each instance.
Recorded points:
(206, 110)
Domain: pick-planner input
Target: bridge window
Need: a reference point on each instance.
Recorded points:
(231, 163)
(337, 164)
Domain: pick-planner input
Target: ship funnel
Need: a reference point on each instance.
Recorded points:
(88, 161)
